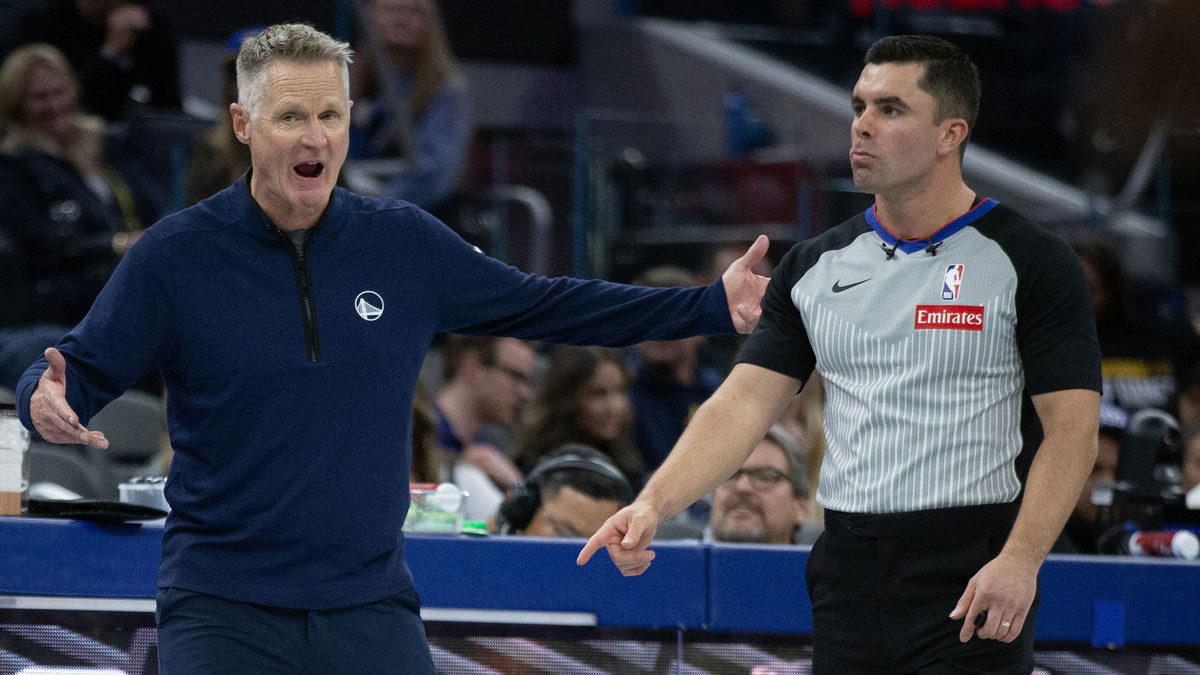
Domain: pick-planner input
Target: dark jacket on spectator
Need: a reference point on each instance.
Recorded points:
(56, 240)
(151, 65)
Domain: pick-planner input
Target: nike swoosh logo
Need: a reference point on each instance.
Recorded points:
(838, 288)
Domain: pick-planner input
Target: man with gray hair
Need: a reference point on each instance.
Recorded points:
(289, 320)
(766, 500)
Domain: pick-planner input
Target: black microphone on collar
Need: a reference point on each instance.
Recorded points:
(932, 248)
(891, 252)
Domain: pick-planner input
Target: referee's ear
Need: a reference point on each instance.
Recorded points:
(954, 135)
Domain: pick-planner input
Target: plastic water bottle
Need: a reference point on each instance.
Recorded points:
(1165, 543)
(14, 462)
(435, 508)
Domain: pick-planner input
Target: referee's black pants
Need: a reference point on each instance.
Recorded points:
(883, 586)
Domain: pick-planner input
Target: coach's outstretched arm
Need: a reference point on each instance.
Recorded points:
(718, 440)
(1005, 587)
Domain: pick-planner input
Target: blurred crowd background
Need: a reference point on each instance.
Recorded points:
(645, 140)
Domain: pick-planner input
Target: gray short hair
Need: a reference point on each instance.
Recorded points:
(797, 458)
(295, 42)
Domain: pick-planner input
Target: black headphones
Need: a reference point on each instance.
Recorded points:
(524, 498)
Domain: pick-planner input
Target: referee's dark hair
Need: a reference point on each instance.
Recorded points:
(950, 77)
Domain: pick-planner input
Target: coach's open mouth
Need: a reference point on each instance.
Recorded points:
(309, 169)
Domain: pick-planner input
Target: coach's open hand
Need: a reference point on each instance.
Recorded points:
(744, 289)
(52, 415)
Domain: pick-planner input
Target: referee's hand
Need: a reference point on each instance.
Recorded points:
(1004, 588)
(626, 535)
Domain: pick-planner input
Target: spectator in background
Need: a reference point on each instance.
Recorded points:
(584, 398)
(669, 382)
(218, 158)
(1188, 396)
(1191, 459)
(1141, 354)
(1087, 521)
(121, 50)
(570, 492)
(68, 216)
(485, 383)
(430, 464)
(803, 418)
(410, 72)
(766, 500)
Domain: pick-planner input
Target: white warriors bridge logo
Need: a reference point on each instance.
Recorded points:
(369, 305)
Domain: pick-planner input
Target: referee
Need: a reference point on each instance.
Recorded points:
(962, 375)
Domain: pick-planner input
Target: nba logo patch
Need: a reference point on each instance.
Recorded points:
(952, 281)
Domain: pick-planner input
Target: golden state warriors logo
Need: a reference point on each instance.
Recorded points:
(369, 305)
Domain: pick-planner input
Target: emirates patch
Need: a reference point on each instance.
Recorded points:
(949, 317)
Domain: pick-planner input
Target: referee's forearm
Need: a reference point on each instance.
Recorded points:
(1056, 477)
(720, 436)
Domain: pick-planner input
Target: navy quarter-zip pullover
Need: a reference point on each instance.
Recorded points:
(290, 378)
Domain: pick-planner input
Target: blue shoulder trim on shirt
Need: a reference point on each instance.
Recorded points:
(945, 232)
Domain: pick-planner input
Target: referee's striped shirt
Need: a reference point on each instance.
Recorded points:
(929, 355)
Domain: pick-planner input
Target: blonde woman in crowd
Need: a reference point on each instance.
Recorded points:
(420, 73)
(218, 158)
(67, 214)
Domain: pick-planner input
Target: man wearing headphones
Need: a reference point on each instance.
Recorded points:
(570, 493)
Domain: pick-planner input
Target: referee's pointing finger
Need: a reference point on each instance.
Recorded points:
(606, 535)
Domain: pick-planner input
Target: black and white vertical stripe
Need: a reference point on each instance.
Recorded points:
(927, 421)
